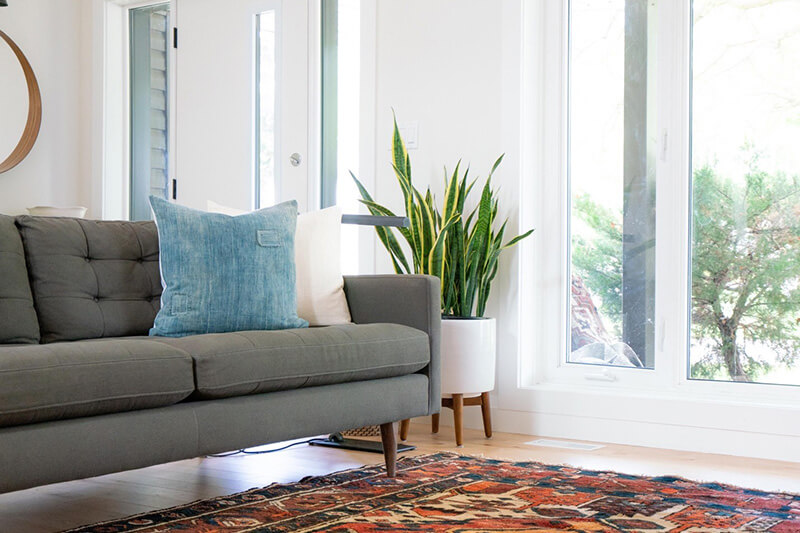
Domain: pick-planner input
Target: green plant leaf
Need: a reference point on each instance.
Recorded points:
(476, 252)
(399, 152)
(462, 251)
(451, 195)
(496, 164)
(426, 227)
(385, 235)
(382, 211)
(436, 254)
(516, 239)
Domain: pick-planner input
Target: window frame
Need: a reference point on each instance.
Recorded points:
(544, 328)
(111, 118)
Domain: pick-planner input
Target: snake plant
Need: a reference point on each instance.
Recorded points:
(462, 252)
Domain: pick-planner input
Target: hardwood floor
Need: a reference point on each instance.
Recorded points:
(66, 505)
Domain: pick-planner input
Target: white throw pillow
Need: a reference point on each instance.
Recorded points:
(317, 253)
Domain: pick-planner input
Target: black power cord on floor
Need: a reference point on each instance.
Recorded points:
(334, 440)
(247, 451)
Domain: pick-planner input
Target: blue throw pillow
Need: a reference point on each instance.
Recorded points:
(224, 273)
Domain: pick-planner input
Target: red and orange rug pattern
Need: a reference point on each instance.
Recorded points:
(449, 493)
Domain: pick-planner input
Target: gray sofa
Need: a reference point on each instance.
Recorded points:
(84, 391)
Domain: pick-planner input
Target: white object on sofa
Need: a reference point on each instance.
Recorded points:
(320, 286)
(50, 211)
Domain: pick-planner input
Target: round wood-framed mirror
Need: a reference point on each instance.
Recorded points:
(30, 131)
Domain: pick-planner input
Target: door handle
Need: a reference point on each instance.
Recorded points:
(295, 159)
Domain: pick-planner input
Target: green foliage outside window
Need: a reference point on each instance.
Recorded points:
(745, 269)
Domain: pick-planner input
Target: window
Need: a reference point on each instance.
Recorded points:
(149, 107)
(745, 304)
(683, 181)
(341, 88)
(612, 183)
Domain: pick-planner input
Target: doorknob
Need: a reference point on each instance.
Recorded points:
(295, 159)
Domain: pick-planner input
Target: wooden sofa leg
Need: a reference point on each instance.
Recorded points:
(404, 429)
(389, 447)
(435, 423)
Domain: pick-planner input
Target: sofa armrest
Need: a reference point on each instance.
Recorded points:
(410, 300)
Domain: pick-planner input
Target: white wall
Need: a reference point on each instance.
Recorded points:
(56, 172)
(453, 67)
(439, 64)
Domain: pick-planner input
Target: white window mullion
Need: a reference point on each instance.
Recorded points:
(672, 191)
(544, 258)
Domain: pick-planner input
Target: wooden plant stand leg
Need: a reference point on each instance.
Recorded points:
(389, 447)
(404, 429)
(458, 416)
(457, 404)
(487, 415)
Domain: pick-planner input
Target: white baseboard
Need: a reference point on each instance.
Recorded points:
(634, 433)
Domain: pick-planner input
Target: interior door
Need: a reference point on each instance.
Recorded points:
(242, 102)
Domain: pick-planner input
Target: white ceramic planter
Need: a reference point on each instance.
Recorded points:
(469, 351)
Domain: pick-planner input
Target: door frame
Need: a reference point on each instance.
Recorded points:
(110, 116)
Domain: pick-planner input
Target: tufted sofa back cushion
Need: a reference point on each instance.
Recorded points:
(18, 324)
(92, 278)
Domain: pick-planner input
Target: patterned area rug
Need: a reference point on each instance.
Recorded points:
(450, 493)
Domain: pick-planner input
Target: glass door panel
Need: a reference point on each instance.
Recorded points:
(266, 72)
(745, 306)
(612, 183)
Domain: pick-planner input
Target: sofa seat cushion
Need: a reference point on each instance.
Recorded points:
(74, 379)
(252, 362)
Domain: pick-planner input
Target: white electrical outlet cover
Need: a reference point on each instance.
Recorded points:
(410, 133)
